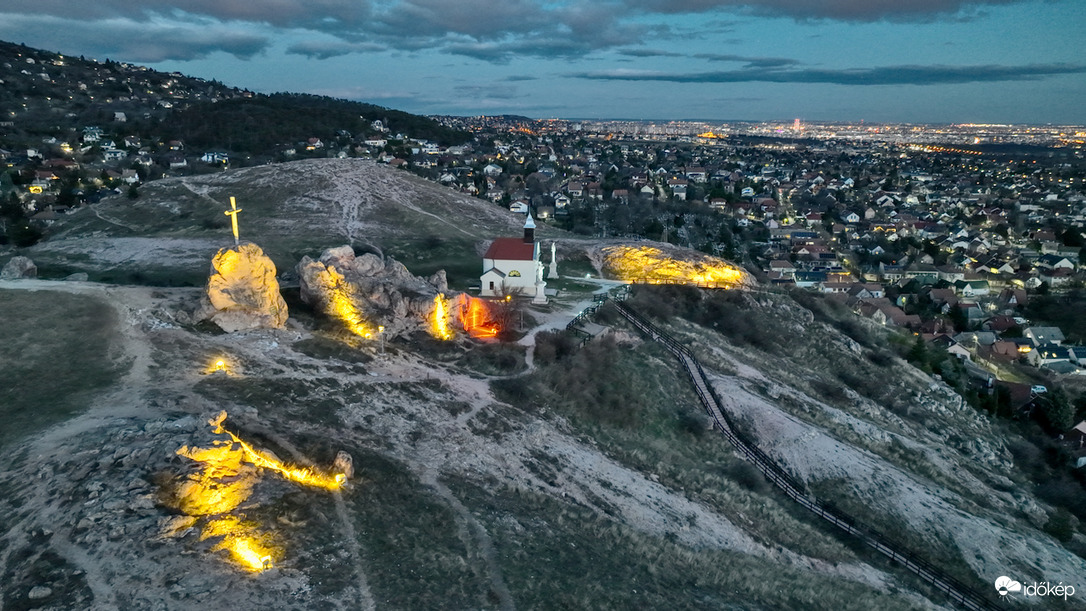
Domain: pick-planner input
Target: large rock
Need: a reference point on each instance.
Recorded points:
(242, 290)
(19, 267)
(366, 292)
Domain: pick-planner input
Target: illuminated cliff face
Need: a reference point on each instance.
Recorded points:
(342, 306)
(439, 319)
(229, 471)
(653, 266)
(476, 317)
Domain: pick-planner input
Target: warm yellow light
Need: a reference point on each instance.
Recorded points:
(343, 307)
(654, 266)
(301, 475)
(230, 470)
(220, 365)
(439, 323)
(241, 541)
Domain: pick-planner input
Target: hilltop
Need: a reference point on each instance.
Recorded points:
(290, 209)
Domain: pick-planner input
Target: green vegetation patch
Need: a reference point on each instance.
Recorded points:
(58, 351)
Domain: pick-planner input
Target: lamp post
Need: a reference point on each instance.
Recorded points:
(381, 333)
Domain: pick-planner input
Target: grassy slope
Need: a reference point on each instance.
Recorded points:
(824, 351)
(290, 210)
(56, 352)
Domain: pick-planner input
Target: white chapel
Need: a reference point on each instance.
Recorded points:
(513, 264)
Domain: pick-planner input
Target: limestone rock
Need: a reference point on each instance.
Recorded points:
(242, 290)
(368, 291)
(19, 267)
(439, 281)
(40, 592)
(344, 464)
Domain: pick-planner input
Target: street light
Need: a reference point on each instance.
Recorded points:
(381, 333)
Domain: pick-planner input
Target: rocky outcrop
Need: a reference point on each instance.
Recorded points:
(242, 292)
(366, 292)
(19, 267)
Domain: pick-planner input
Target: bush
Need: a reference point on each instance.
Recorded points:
(552, 346)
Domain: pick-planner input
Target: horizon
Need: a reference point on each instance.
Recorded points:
(913, 62)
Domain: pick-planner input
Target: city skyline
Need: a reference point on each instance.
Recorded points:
(918, 61)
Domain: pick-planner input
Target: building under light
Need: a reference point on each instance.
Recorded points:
(513, 265)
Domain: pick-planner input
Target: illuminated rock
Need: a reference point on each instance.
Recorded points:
(19, 267)
(652, 265)
(242, 290)
(368, 292)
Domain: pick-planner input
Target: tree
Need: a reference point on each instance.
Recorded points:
(918, 354)
(1055, 412)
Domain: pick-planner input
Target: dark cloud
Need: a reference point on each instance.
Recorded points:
(325, 49)
(889, 75)
(133, 41)
(520, 77)
(648, 53)
(751, 62)
(843, 10)
(488, 30)
(317, 14)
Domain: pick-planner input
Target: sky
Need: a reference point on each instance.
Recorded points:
(911, 61)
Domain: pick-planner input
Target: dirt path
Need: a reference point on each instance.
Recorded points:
(483, 545)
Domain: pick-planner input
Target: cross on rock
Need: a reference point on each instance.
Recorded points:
(233, 214)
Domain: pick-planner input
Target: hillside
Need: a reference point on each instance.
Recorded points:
(491, 476)
(167, 235)
(48, 94)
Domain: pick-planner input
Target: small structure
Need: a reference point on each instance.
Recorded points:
(553, 271)
(513, 265)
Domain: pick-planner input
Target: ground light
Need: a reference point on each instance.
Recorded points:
(229, 471)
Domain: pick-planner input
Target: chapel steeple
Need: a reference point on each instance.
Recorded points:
(529, 229)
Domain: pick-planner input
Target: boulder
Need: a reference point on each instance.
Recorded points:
(366, 292)
(439, 281)
(76, 277)
(19, 267)
(344, 464)
(242, 292)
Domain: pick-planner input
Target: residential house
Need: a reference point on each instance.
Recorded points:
(1040, 336)
(1047, 355)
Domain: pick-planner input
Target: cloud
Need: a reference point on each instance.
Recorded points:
(135, 41)
(486, 92)
(318, 14)
(751, 62)
(648, 53)
(487, 30)
(324, 49)
(841, 10)
(888, 75)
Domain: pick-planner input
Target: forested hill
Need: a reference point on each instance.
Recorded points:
(44, 94)
(262, 122)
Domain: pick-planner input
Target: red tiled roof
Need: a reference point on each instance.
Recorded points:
(511, 249)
